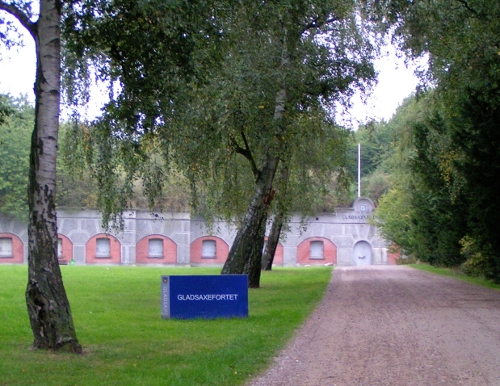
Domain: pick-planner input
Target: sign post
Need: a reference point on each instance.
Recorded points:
(204, 296)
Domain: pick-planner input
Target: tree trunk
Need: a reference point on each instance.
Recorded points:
(48, 306)
(246, 252)
(274, 234)
(252, 265)
(272, 242)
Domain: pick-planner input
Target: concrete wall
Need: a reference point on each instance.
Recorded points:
(182, 239)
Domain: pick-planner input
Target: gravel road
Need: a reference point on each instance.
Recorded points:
(394, 325)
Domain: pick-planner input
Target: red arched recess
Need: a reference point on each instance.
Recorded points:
(114, 250)
(17, 256)
(304, 252)
(169, 251)
(278, 255)
(221, 251)
(66, 251)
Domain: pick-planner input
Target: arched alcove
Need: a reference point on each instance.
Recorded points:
(362, 253)
(11, 248)
(156, 249)
(103, 249)
(316, 250)
(209, 250)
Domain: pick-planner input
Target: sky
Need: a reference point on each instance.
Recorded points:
(17, 70)
(395, 83)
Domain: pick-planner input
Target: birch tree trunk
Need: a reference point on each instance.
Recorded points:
(272, 242)
(48, 305)
(279, 218)
(246, 252)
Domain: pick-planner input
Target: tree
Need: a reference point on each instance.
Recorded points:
(461, 39)
(284, 64)
(423, 211)
(279, 219)
(119, 39)
(5, 108)
(375, 142)
(396, 207)
(15, 132)
(147, 53)
(277, 76)
(48, 306)
(77, 187)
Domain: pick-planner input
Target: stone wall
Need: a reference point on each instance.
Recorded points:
(342, 238)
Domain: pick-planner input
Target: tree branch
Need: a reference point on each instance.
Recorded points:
(316, 23)
(20, 16)
(245, 152)
(468, 7)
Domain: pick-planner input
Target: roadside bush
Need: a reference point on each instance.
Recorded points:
(407, 259)
(476, 263)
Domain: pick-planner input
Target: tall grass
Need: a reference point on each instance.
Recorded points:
(118, 320)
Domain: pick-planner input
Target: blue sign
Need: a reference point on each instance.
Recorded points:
(204, 296)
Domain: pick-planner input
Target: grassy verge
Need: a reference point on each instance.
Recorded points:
(457, 275)
(118, 320)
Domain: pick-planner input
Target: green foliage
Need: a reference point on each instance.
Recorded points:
(382, 151)
(452, 189)
(91, 158)
(146, 53)
(75, 187)
(5, 107)
(469, 90)
(394, 219)
(15, 135)
(127, 342)
(198, 88)
(144, 50)
(280, 57)
(422, 212)
(439, 206)
(475, 133)
(375, 140)
(475, 262)
(376, 185)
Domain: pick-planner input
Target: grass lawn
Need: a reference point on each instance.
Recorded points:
(117, 316)
(457, 275)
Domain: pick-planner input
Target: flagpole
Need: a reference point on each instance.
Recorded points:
(359, 169)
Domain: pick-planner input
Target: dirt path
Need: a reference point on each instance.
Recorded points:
(394, 325)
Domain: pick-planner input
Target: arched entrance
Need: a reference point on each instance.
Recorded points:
(362, 253)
